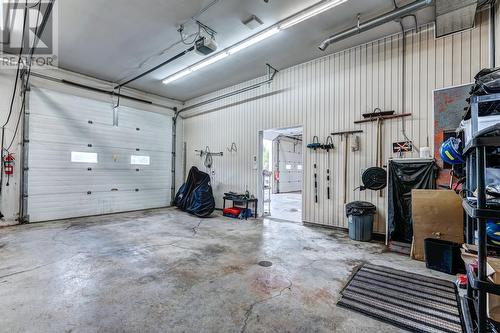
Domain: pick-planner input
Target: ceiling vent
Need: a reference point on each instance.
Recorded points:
(454, 16)
(253, 22)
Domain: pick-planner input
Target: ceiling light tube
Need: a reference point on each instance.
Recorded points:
(253, 40)
(177, 76)
(300, 17)
(209, 61)
(307, 14)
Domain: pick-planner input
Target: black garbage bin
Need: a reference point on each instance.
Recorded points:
(360, 215)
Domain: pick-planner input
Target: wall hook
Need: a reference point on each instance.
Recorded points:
(233, 148)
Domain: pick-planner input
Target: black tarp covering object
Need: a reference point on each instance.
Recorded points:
(404, 177)
(196, 196)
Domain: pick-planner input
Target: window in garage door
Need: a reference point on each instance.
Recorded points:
(82, 165)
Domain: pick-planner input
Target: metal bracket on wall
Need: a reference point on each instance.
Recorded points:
(207, 153)
(233, 148)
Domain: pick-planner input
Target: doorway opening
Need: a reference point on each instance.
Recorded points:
(282, 170)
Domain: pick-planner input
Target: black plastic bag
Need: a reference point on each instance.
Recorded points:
(360, 208)
(487, 82)
(196, 196)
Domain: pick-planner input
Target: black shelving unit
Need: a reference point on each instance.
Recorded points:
(478, 211)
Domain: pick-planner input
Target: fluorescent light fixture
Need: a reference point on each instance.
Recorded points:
(222, 55)
(307, 14)
(209, 61)
(177, 76)
(253, 40)
(295, 19)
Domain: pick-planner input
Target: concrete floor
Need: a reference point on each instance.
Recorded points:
(287, 206)
(166, 271)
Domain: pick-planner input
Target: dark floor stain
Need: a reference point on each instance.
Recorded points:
(2, 245)
(320, 295)
(308, 248)
(384, 249)
(232, 269)
(193, 261)
(213, 250)
(147, 279)
(185, 278)
(266, 282)
(339, 236)
(354, 262)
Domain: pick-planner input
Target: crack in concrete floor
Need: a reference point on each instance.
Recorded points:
(195, 228)
(249, 312)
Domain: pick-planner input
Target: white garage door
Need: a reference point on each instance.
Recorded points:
(290, 165)
(80, 164)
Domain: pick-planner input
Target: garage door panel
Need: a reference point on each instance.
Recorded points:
(68, 147)
(53, 207)
(98, 174)
(107, 159)
(79, 133)
(157, 127)
(128, 117)
(41, 130)
(96, 183)
(58, 187)
(38, 178)
(290, 166)
(60, 105)
(119, 137)
(94, 188)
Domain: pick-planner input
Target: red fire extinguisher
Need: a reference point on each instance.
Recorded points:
(8, 166)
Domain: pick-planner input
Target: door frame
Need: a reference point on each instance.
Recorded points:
(260, 167)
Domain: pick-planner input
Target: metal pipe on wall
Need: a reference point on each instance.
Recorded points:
(271, 74)
(233, 93)
(492, 29)
(403, 79)
(375, 22)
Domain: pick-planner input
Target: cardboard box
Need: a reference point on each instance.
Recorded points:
(436, 214)
(493, 272)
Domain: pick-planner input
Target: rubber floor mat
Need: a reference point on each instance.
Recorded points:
(413, 302)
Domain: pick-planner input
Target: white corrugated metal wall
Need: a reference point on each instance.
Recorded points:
(328, 94)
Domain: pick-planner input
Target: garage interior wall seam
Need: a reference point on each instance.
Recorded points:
(328, 94)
